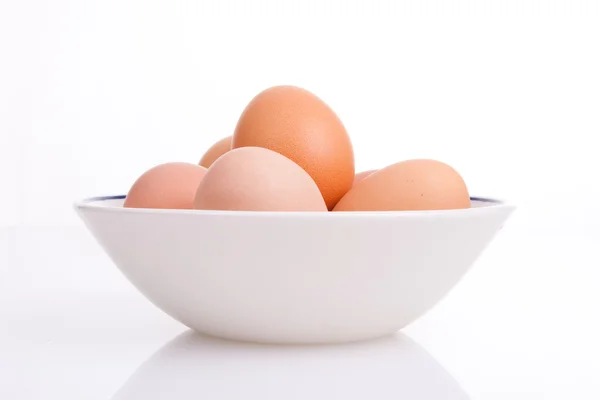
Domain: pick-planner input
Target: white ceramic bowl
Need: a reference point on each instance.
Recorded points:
(293, 277)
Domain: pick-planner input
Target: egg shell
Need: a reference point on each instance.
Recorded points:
(215, 151)
(408, 185)
(297, 124)
(171, 185)
(257, 179)
(362, 175)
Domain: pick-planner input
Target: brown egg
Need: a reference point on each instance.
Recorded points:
(170, 185)
(408, 185)
(299, 125)
(215, 151)
(362, 175)
(257, 179)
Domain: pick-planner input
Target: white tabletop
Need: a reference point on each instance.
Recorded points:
(523, 324)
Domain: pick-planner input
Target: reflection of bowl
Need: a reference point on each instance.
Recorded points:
(301, 277)
(197, 367)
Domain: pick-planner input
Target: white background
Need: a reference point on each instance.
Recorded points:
(93, 93)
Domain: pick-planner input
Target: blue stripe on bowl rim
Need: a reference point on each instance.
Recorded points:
(105, 198)
(122, 196)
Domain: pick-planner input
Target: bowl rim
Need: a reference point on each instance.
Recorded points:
(94, 204)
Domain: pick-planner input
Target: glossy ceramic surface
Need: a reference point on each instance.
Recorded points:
(293, 277)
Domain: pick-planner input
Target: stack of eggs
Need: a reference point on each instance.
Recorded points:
(290, 152)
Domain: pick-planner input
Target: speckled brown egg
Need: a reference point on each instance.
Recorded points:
(408, 185)
(171, 185)
(215, 151)
(257, 179)
(299, 125)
